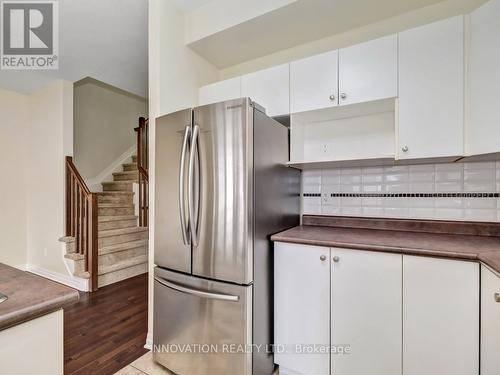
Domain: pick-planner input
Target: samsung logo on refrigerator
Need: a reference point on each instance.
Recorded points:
(234, 106)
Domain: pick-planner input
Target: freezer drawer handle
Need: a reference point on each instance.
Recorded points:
(196, 292)
(184, 226)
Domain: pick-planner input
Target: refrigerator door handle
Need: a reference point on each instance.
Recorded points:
(191, 202)
(197, 292)
(184, 226)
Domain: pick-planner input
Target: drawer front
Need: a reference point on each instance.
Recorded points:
(196, 321)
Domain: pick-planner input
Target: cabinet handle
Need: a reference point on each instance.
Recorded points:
(332, 98)
(322, 258)
(343, 96)
(336, 259)
(404, 148)
(497, 297)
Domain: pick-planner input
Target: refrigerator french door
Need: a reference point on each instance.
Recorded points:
(221, 189)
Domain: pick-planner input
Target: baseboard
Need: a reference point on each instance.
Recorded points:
(106, 174)
(149, 341)
(68, 280)
(22, 267)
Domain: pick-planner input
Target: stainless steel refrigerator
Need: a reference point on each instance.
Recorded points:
(221, 189)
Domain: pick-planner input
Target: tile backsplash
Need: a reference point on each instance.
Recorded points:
(452, 191)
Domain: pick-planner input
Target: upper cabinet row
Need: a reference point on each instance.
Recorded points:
(357, 74)
(441, 108)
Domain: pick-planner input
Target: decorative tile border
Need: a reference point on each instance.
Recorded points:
(407, 195)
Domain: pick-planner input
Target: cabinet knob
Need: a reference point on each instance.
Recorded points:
(404, 148)
(332, 98)
(336, 259)
(322, 258)
(343, 96)
(497, 297)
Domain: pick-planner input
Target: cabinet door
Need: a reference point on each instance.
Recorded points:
(431, 90)
(270, 88)
(490, 322)
(440, 316)
(314, 83)
(301, 306)
(483, 129)
(366, 312)
(220, 91)
(368, 71)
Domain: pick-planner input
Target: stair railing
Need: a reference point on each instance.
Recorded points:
(81, 220)
(143, 166)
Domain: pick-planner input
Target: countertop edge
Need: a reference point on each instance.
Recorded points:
(33, 312)
(380, 248)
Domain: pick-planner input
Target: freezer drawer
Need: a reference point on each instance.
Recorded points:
(201, 326)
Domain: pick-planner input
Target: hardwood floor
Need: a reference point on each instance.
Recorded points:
(106, 330)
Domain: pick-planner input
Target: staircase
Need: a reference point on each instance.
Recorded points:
(122, 244)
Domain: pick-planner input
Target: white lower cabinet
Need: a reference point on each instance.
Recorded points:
(355, 294)
(34, 347)
(301, 307)
(389, 314)
(490, 322)
(440, 316)
(366, 312)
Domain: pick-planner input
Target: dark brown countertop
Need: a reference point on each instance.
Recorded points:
(457, 246)
(30, 296)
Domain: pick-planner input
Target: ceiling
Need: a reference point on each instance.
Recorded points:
(106, 40)
(300, 22)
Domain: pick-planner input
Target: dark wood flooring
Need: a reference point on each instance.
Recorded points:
(106, 330)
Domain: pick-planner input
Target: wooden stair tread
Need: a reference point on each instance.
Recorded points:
(121, 231)
(117, 182)
(125, 173)
(123, 246)
(108, 218)
(115, 205)
(123, 264)
(118, 192)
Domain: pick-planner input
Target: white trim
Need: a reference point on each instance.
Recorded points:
(106, 174)
(71, 281)
(149, 341)
(21, 267)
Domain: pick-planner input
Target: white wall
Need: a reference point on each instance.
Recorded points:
(181, 71)
(13, 164)
(36, 132)
(175, 74)
(50, 138)
(104, 122)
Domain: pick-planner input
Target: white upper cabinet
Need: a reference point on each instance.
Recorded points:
(314, 83)
(220, 91)
(366, 308)
(431, 90)
(270, 88)
(440, 316)
(483, 127)
(490, 322)
(368, 71)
